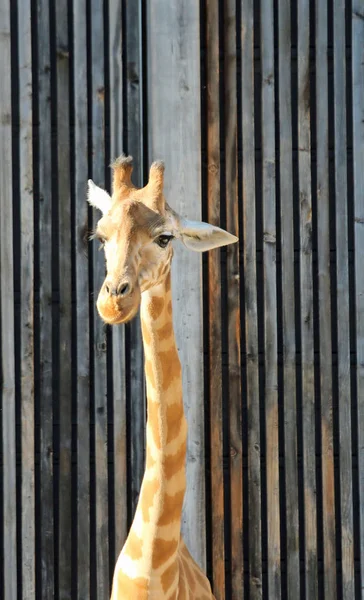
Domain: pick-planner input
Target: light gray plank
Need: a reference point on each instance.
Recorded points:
(7, 313)
(82, 300)
(324, 291)
(118, 333)
(45, 303)
(250, 295)
(133, 83)
(233, 321)
(27, 301)
(342, 295)
(270, 298)
(65, 309)
(99, 330)
(358, 160)
(288, 298)
(308, 395)
(174, 119)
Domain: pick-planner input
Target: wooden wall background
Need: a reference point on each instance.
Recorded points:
(257, 108)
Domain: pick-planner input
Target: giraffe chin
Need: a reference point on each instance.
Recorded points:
(115, 312)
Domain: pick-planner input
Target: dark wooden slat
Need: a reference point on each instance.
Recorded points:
(65, 291)
(27, 301)
(7, 313)
(233, 283)
(251, 317)
(342, 295)
(270, 298)
(133, 83)
(174, 109)
(308, 393)
(45, 304)
(99, 330)
(118, 333)
(324, 292)
(358, 160)
(288, 298)
(214, 279)
(82, 300)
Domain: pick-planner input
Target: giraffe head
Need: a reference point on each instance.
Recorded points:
(136, 230)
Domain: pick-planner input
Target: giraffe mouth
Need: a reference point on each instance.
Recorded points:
(115, 311)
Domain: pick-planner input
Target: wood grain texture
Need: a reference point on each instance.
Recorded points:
(7, 315)
(342, 296)
(65, 296)
(288, 298)
(358, 160)
(306, 289)
(324, 295)
(250, 294)
(82, 299)
(99, 329)
(174, 135)
(27, 301)
(214, 300)
(118, 333)
(270, 298)
(233, 283)
(45, 303)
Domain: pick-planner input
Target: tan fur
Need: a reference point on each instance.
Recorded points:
(154, 562)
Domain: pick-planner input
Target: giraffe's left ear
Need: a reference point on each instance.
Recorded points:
(98, 197)
(200, 236)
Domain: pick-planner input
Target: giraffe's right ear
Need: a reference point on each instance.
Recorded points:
(98, 197)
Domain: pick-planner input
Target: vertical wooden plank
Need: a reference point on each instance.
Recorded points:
(134, 147)
(82, 298)
(324, 293)
(45, 303)
(27, 301)
(251, 316)
(358, 160)
(118, 333)
(214, 299)
(308, 392)
(288, 298)
(342, 295)
(65, 312)
(99, 330)
(174, 117)
(7, 313)
(270, 298)
(233, 283)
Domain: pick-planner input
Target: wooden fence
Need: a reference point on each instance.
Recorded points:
(257, 108)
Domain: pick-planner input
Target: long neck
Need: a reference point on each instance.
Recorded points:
(158, 516)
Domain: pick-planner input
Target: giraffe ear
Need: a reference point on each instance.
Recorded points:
(200, 236)
(98, 197)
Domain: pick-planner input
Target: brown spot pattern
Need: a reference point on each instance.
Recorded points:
(163, 550)
(169, 307)
(148, 492)
(172, 508)
(174, 462)
(133, 546)
(174, 419)
(165, 332)
(131, 588)
(169, 576)
(156, 307)
(171, 367)
(153, 421)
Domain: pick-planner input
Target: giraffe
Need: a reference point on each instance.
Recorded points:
(136, 230)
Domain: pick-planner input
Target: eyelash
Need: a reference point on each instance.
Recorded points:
(95, 236)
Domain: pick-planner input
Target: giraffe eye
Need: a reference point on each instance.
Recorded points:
(163, 240)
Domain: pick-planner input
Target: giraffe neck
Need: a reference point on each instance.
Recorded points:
(154, 538)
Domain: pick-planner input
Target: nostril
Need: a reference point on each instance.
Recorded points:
(124, 289)
(107, 288)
